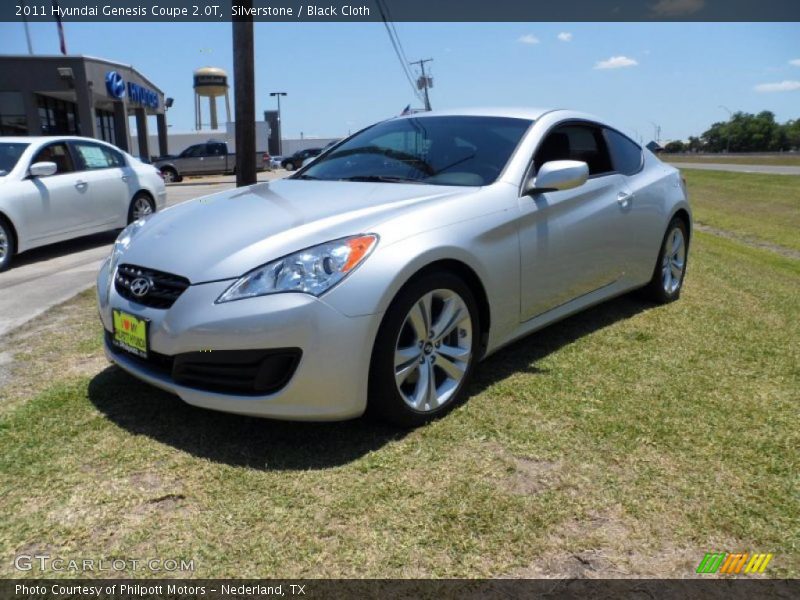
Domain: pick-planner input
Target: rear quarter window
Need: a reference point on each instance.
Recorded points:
(625, 154)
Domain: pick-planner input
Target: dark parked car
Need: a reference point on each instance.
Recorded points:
(295, 161)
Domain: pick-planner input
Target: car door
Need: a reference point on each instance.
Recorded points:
(572, 242)
(643, 213)
(191, 160)
(56, 203)
(109, 180)
(215, 160)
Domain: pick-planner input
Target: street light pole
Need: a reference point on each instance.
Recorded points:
(730, 117)
(280, 124)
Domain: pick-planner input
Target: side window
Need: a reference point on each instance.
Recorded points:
(625, 154)
(194, 151)
(215, 150)
(575, 142)
(95, 156)
(57, 153)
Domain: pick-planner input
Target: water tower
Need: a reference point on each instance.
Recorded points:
(212, 83)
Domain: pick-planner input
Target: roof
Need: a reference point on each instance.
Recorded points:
(80, 57)
(513, 112)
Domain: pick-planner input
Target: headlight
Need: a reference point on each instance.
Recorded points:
(120, 245)
(312, 271)
(124, 240)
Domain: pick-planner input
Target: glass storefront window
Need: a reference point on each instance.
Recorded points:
(12, 114)
(58, 117)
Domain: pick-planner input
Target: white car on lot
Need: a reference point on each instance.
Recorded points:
(57, 188)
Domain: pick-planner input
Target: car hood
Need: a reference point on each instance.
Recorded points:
(226, 235)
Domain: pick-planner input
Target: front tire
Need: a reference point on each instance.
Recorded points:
(169, 175)
(289, 166)
(141, 206)
(425, 351)
(667, 281)
(8, 244)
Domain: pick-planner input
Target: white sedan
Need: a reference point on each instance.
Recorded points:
(56, 188)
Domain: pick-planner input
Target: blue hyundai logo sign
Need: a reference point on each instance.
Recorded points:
(115, 85)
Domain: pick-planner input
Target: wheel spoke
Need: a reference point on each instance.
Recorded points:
(677, 240)
(423, 387)
(419, 317)
(452, 314)
(454, 370)
(454, 352)
(402, 373)
(676, 272)
(667, 278)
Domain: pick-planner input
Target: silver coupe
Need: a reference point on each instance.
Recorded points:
(378, 276)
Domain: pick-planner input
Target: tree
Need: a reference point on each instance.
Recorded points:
(746, 132)
(676, 146)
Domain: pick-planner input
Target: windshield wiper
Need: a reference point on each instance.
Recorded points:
(381, 179)
(304, 177)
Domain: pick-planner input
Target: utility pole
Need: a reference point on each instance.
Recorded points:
(245, 91)
(656, 131)
(423, 82)
(280, 123)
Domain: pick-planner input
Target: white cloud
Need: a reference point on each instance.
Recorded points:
(528, 39)
(565, 36)
(616, 62)
(783, 86)
(795, 62)
(674, 8)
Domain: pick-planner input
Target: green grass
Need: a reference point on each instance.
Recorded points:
(629, 438)
(763, 208)
(792, 160)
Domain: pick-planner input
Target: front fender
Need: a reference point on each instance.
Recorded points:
(490, 250)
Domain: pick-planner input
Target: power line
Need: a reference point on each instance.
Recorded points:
(398, 48)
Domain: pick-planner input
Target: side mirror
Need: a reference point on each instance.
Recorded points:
(558, 175)
(43, 169)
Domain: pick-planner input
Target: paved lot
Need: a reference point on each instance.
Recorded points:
(44, 277)
(766, 169)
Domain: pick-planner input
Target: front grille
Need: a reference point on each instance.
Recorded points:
(165, 288)
(240, 372)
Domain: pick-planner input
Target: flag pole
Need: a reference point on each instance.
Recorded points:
(61, 39)
(27, 29)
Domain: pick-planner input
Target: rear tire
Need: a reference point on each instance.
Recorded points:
(425, 351)
(8, 244)
(170, 175)
(668, 275)
(141, 206)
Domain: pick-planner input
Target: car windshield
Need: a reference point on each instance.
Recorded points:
(9, 156)
(452, 150)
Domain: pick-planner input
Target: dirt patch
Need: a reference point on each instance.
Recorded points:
(534, 476)
(748, 241)
(609, 546)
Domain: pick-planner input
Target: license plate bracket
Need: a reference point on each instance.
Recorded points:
(131, 333)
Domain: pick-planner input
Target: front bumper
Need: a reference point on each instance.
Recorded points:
(328, 383)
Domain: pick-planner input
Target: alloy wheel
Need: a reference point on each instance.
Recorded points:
(674, 261)
(141, 208)
(5, 244)
(433, 350)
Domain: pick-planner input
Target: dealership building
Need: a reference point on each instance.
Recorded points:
(80, 95)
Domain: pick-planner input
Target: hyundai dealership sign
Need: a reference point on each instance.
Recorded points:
(116, 88)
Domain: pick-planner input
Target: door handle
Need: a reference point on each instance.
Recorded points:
(624, 199)
(81, 185)
(125, 178)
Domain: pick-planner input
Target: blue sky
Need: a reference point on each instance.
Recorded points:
(342, 76)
